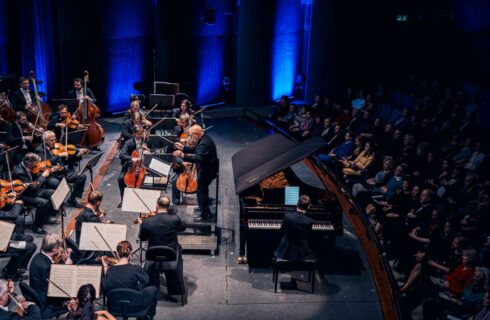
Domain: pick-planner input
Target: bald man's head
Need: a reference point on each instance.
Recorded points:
(196, 132)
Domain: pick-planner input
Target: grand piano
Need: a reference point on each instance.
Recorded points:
(263, 175)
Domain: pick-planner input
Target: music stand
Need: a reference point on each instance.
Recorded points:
(139, 200)
(90, 164)
(164, 101)
(57, 199)
(160, 142)
(74, 137)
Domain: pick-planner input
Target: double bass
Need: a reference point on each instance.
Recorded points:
(40, 115)
(88, 113)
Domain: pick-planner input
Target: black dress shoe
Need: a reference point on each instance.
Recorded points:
(52, 220)
(119, 205)
(74, 203)
(39, 230)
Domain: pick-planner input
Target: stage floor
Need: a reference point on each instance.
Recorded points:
(218, 287)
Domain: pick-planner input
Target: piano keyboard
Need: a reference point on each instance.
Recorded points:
(273, 224)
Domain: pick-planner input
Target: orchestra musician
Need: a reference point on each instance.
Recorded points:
(161, 230)
(295, 228)
(77, 92)
(183, 125)
(68, 162)
(133, 108)
(134, 143)
(13, 212)
(206, 159)
(127, 127)
(126, 275)
(31, 311)
(51, 252)
(35, 194)
(182, 131)
(16, 137)
(185, 108)
(23, 98)
(91, 213)
(58, 120)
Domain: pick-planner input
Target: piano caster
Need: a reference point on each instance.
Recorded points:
(242, 260)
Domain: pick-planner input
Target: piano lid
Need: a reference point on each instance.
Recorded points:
(267, 156)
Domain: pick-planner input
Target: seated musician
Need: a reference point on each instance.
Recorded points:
(296, 226)
(133, 108)
(91, 213)
(58, 120)
(6, 293)
(127, 127)
(68, 163)
(13, 212)
(51, 252)
(183, 126)
(126, 275)
(185, 108)
(23, 99)
(36, 194)
(161, 230)
(16, 137)
(134, 143)
(77, 92)
(181, 130)
(84, 306)
(22, 246)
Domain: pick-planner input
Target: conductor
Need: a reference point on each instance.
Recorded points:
(206, 159)
(296, 226)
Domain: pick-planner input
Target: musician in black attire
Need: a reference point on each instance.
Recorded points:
(36, 194)
(127, 128)
(40, 268)
(22, 99)
(91, 213)
(77, 92)
(206, 159)
(15, 137)
(14, 213)
(32, 311)
(57, 121)
(161, 230)
(296, 226)
(127, 160)
(126, 275)
(68, 163)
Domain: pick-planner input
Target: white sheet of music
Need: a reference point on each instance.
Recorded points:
(140, 200)
(6, 230)
(59, 195)
(91, 240)
(159, 167)
(71, 277)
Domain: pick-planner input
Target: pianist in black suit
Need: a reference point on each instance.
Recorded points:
(296, 226)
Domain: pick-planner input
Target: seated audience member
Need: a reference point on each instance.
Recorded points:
(342, 151)
(360, 163)
(461, 277)
(6, 290)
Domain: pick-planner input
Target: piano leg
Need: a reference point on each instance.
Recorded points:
(242, 258)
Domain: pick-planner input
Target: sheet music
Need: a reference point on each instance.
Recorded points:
(71, 277)
(6, 230)
(92, 241)
(59, 195)
(159, 167)
(140, 200)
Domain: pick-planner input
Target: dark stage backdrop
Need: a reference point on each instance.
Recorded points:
(263, 48)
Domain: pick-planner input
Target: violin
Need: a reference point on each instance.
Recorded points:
(45, 165)
(143, 217)
(16, 186)
(69, 148)
(109, 260)
(72, 122)
(7, 199)
(62, 255)
(29, 128)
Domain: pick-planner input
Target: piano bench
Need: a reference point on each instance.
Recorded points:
(282, 265)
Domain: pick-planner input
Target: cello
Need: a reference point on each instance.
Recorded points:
(187, 180)
(88, 112)
(134, 177)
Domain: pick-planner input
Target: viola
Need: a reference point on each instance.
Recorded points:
(143, 217)
(69, 148)
(62, 255)
(7, 199)
(89, 112)
(16, 186)
(72, 122)
(45, 165)
(109, 260)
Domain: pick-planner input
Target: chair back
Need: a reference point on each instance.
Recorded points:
(30, 294)
(126, 302)
(161, 254)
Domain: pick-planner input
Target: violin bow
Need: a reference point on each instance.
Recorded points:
(105, 241)
(138, 196)
(151, 110)
(8, 167)
(59, 288)
(16, 302)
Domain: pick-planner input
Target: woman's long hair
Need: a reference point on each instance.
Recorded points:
(86, 298)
